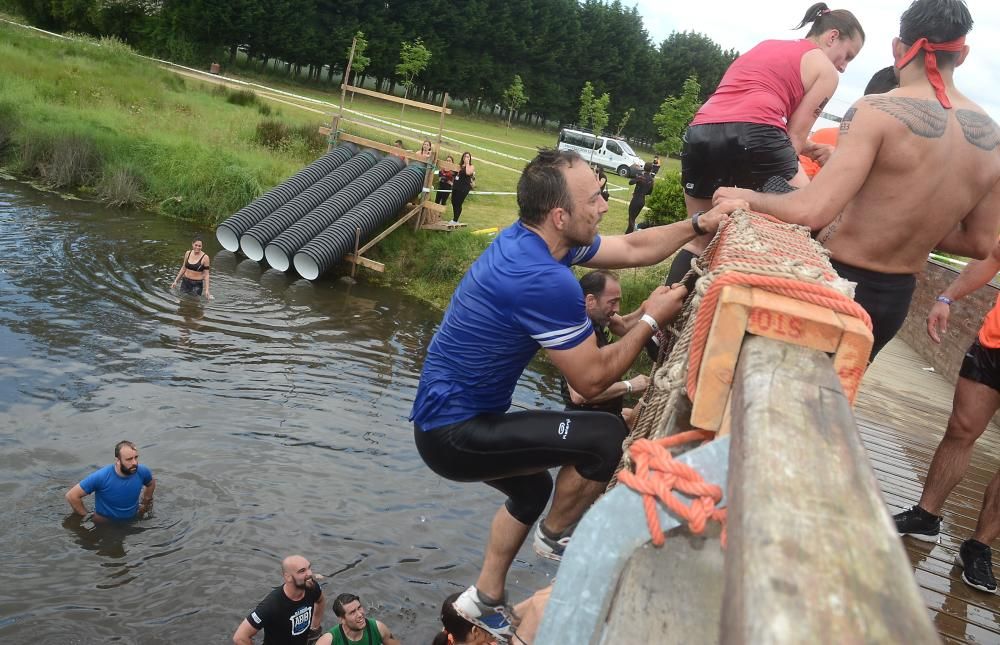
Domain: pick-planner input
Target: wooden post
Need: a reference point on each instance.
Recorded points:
(335, 123)
(357, 241)
(813, 555)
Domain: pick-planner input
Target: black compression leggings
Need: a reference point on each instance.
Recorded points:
(458, 195)
(513, 452)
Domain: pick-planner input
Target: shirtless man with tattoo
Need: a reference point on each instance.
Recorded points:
(916, 169)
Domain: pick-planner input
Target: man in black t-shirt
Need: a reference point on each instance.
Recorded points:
(291, 614)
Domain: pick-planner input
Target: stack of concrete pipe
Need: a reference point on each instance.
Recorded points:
(229, 232)
(252, 242)
(338, 239)
(283, 247)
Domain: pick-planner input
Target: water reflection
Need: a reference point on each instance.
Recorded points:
(107, 539)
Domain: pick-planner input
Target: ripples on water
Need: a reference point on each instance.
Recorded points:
(274, 419)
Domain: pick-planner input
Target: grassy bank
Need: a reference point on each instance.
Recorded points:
(91, 117)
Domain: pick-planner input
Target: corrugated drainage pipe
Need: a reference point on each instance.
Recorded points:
(327, 248)
(228, 233)
(281, 249)
(252, 242)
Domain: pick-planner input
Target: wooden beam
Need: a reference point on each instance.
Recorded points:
(813, 554)
(393, 150)
(365, 262)
(395, 99)
(325, 131)
(381, 236)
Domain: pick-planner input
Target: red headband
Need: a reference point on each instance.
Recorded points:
(930, 63)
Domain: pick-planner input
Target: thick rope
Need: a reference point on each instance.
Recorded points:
(751, 249)
(657, 475)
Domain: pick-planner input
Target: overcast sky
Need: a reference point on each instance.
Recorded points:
(741, 25)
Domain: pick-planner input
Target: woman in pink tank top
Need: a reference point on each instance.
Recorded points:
(754, 125)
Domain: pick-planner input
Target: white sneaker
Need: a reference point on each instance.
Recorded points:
(493, 618)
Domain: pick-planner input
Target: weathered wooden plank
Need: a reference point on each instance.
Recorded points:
(365, 262)
(395, 99)
(602, 544)
(852, 355)
(377, 145)
(813, 555)
(794, 321)
(718, 363)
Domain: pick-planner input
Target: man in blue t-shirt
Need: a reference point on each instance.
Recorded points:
(518, 296)
(117, 486)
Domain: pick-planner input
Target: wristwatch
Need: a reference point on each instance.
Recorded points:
(698, 230)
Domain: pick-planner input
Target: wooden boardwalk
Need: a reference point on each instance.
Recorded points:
(902, 412)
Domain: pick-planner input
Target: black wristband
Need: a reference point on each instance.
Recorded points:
(698, 230)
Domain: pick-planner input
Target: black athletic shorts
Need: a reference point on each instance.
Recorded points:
(982, 365)
(194, 287)
(885, 296)
(744, 155)
(513, 452)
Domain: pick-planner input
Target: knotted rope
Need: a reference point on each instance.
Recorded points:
(657, 475)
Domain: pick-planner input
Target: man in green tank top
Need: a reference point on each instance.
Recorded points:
(355, 627)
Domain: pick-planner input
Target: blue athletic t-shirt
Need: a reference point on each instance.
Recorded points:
(514, 299)
(117, 496)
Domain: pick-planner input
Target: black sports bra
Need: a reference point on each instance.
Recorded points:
(195, 267)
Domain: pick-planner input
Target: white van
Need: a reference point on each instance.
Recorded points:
(613, 154)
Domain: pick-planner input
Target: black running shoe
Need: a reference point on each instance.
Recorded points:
(918, 523)
(976, 561)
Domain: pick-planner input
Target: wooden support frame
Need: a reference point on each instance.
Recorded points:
(357, 257)
(395, 99)
(750, 310)
(335, 132)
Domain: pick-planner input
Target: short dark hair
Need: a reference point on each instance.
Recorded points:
(646, 167)
(340, 601)
(452, 622)
(882, 81)
(824, 19)
(122, 444)
(594, 282)
(542, 185)
(939, 21)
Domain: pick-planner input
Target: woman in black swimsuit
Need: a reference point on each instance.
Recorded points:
(193, 274)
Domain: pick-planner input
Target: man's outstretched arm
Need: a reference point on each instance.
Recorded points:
(817, 204)
(590, 369)
(650, 246)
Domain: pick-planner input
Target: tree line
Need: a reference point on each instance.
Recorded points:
(477, 47)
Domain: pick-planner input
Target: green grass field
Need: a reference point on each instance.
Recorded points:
(94, 118)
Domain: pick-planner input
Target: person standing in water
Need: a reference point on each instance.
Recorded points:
(193, 275)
